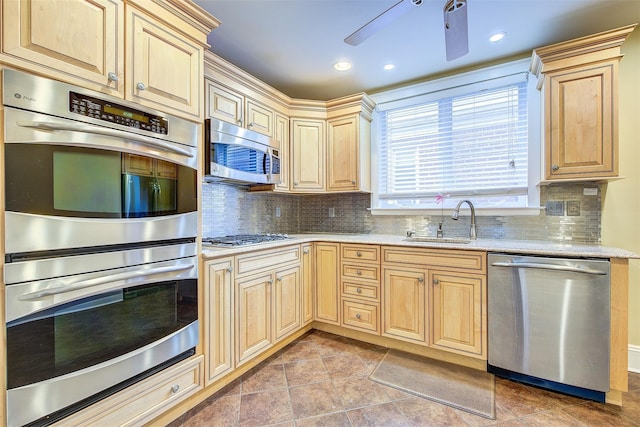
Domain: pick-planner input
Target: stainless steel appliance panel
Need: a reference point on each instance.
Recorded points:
(550, 318)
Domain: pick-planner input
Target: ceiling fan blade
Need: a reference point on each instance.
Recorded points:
(380, 21)
(456, 36)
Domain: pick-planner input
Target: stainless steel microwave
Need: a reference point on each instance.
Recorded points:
(237, 155)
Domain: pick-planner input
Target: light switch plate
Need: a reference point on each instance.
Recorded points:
(553, 208)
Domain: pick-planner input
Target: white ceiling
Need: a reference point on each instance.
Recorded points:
(293, 44)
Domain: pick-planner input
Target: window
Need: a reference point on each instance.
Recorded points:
(470, 141)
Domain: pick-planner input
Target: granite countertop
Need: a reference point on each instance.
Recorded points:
(528, 247)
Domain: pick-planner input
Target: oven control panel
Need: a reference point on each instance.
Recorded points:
(114, 113)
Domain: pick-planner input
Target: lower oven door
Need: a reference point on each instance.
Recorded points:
(118, 326)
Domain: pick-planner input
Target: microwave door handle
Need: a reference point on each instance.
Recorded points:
(114, 133)
(101, 281)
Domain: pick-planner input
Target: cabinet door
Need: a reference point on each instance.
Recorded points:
(218, 321)
(307, 155)
(404, 301)
(342, 154)
(259, 118)
(327, 283)
(87, 50)
(253, 316)
(307, 285)
(581, 122)
(287, 301)
(164, 67)
(224, 104)
(137, 165)
(282, 135)
(457, 316)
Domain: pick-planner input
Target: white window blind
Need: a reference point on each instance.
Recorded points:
(472, 145)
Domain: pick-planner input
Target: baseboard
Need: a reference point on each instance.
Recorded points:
(634, 358)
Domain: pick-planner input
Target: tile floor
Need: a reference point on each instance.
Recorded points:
(321, 380)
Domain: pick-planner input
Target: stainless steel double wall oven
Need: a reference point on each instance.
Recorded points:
(100, 245)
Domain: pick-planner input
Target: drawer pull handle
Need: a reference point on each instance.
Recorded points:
(358, 316)
(420, 279)
(113, 77)
(175, 388)
(358, 253)
(358, 290)
(140, 86)
(359, 273)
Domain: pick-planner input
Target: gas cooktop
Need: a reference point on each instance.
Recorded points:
(242, 239)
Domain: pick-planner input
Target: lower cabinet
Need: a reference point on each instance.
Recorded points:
(253, 316)
(286, 301)
(457, 315)
(307, 283)
(327, 282)
(404, 304)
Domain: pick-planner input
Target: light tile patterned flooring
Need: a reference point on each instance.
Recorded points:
(322, 380)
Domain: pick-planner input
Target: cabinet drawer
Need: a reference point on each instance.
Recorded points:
(361, 272)
(266, 260)
(360, 290)
(449, 259)
(361, 316)
(145, 400)
(367, 253)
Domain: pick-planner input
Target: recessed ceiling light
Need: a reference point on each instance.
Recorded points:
(389, 67)
(497, 37)
(342, 65)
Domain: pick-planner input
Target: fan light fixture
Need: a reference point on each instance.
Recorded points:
(342, 65)
(389, 67)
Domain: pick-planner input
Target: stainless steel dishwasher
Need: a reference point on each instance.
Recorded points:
(549, 322)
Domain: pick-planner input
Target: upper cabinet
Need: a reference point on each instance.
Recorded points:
(579, 79)
(307, 155)
(161, 43)
(88, 50)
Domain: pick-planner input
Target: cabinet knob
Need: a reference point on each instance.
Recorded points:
(353, 181)
(140, 86)
(555, 168)
(229, 269)
(358, 316)
(306, 251)
(270, 282)
(359, 273)
(279, 279)
(436, 281)
(250, 125)
(358, 253)
(175, 388)
(420, 279)
(358, 290)
(113, 77)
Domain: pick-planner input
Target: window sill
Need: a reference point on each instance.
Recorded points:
(464, 211)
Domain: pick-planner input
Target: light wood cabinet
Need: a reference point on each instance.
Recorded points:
(88, 50)
(458, 312)
(218, 318)
(349, 154)
(164, 68)
(307, 155)
(254, 331)
(307, 284)
(223, 104)
(579, 79)
(327, 304)
(404, 302)
(146, 166)
(260, 118)
(287, 301)
(360, 285)
(282, 135)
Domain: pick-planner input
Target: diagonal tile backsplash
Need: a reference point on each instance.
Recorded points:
(230, 209)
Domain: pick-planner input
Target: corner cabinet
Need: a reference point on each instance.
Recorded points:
(579, 79)
(307, 155)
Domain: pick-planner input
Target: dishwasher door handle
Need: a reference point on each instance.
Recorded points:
(548, 267)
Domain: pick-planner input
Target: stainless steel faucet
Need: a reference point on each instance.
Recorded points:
(456, 213)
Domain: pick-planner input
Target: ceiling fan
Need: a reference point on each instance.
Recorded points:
(455, 25)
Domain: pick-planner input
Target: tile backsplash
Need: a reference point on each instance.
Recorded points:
(567, 215)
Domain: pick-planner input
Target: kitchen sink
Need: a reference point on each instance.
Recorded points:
(430, 239)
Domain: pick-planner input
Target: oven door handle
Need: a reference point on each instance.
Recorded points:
(81, 284)
(113, 133)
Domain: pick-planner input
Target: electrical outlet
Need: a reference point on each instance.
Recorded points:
(277, 211)
(554, 208)
(332, 212)
(573, 207)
